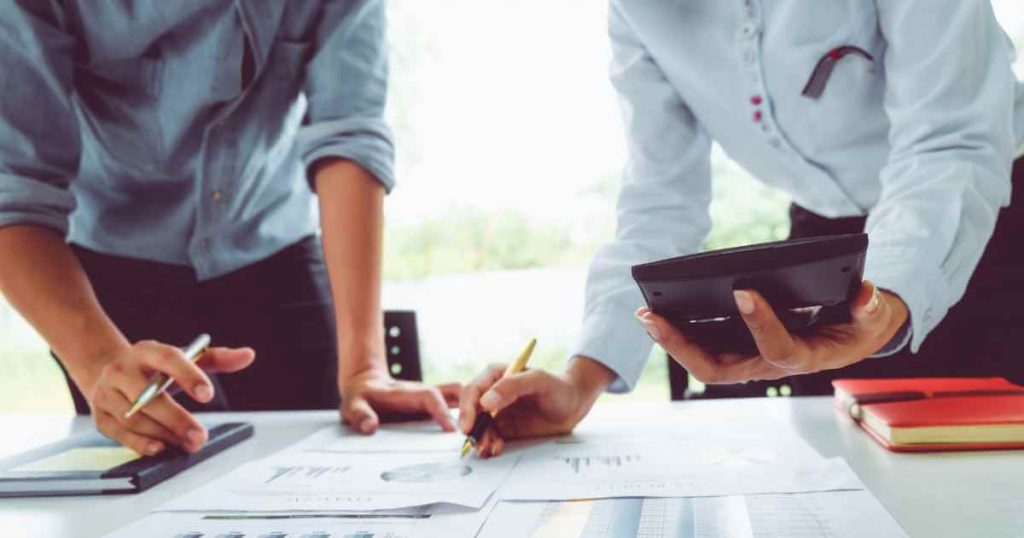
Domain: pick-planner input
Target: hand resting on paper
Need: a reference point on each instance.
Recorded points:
(876, 317)
(373, 394)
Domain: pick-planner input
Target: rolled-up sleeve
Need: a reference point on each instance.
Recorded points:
(949, 99)
(39, 139)
(662, 208)
(346, 89)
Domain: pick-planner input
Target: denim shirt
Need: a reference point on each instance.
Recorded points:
(916, 127)
(183, 131)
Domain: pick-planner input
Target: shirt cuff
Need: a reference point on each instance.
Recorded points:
(27, 201)
(366, 142)
(615, 339)
(897, 342)
(923, 289)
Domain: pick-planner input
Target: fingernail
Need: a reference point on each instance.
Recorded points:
(152, 449)
(649, 326)
(490, 399)
(366, 426)
(744, 302)
(876, 299)
(195, 436)
(204, 393)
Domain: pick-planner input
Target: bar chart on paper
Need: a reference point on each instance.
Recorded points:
(204, 526)
(288, 535)
(576, 463)
(808, 515)
(729, 465)
(319, 481)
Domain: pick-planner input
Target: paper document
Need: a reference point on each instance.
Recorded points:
(414, 437)
(733, 464)
(295, 481)
(837, 514)
(83, 458)
(439, 521)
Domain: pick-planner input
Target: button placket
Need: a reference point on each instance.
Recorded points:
(748, 34)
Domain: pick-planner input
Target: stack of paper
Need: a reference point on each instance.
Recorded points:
(804, 515)
(409, 481)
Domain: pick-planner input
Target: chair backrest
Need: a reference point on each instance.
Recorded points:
(403, 345)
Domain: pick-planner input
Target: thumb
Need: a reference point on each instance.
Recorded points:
(357, 413)
(226, 360)
(509, 389)
(866, 305)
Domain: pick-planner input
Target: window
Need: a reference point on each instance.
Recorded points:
(510, 148)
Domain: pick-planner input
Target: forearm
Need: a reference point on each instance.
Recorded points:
(352, 220)
(44, 281)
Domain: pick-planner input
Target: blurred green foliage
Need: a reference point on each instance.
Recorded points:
(470, 239)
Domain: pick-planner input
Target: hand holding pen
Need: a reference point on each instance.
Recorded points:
(531, 403)
(160, 421)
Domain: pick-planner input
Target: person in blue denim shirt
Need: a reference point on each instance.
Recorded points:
(162, 165)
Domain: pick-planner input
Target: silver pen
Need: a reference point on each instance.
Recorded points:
(159, 382)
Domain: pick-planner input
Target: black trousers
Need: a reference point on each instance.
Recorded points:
(981, 335)
(281, 307)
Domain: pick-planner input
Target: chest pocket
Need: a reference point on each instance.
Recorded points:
(825, 74)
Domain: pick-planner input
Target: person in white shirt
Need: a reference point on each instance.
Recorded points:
(900, 119)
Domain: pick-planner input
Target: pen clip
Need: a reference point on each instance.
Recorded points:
(815, 86)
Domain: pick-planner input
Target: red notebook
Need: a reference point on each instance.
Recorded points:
(935, 414)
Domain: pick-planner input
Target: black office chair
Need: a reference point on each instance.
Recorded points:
(403, 345)
(679, 386)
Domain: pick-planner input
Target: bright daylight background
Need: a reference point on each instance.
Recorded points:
(509, 153)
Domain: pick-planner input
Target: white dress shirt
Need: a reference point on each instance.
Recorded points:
(920, 137)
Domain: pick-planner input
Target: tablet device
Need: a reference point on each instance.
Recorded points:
(808, 282)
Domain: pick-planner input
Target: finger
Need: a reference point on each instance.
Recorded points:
(117, 404)
(226, 360)
(172, 415)
(498, 447)
(431, 401)
(469, 401)
(357, 413)
(142, 445)
(484, 448)
(774, 342)
(693, 357)
(450, 392)
(171, 361)
(415, 398)
(509, 389)
(189, 433)
(869, 310)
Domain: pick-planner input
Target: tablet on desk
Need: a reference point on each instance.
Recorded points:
(808, 282)
(90, 464)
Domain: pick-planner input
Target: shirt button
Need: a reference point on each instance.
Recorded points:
(748, 57)
(758, 116)
(756, 100)
(746, 30)
(217, 196)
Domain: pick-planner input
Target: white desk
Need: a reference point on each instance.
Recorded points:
(956, 494)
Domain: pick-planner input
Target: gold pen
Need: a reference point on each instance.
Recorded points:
(486, 420)
(159, 382)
